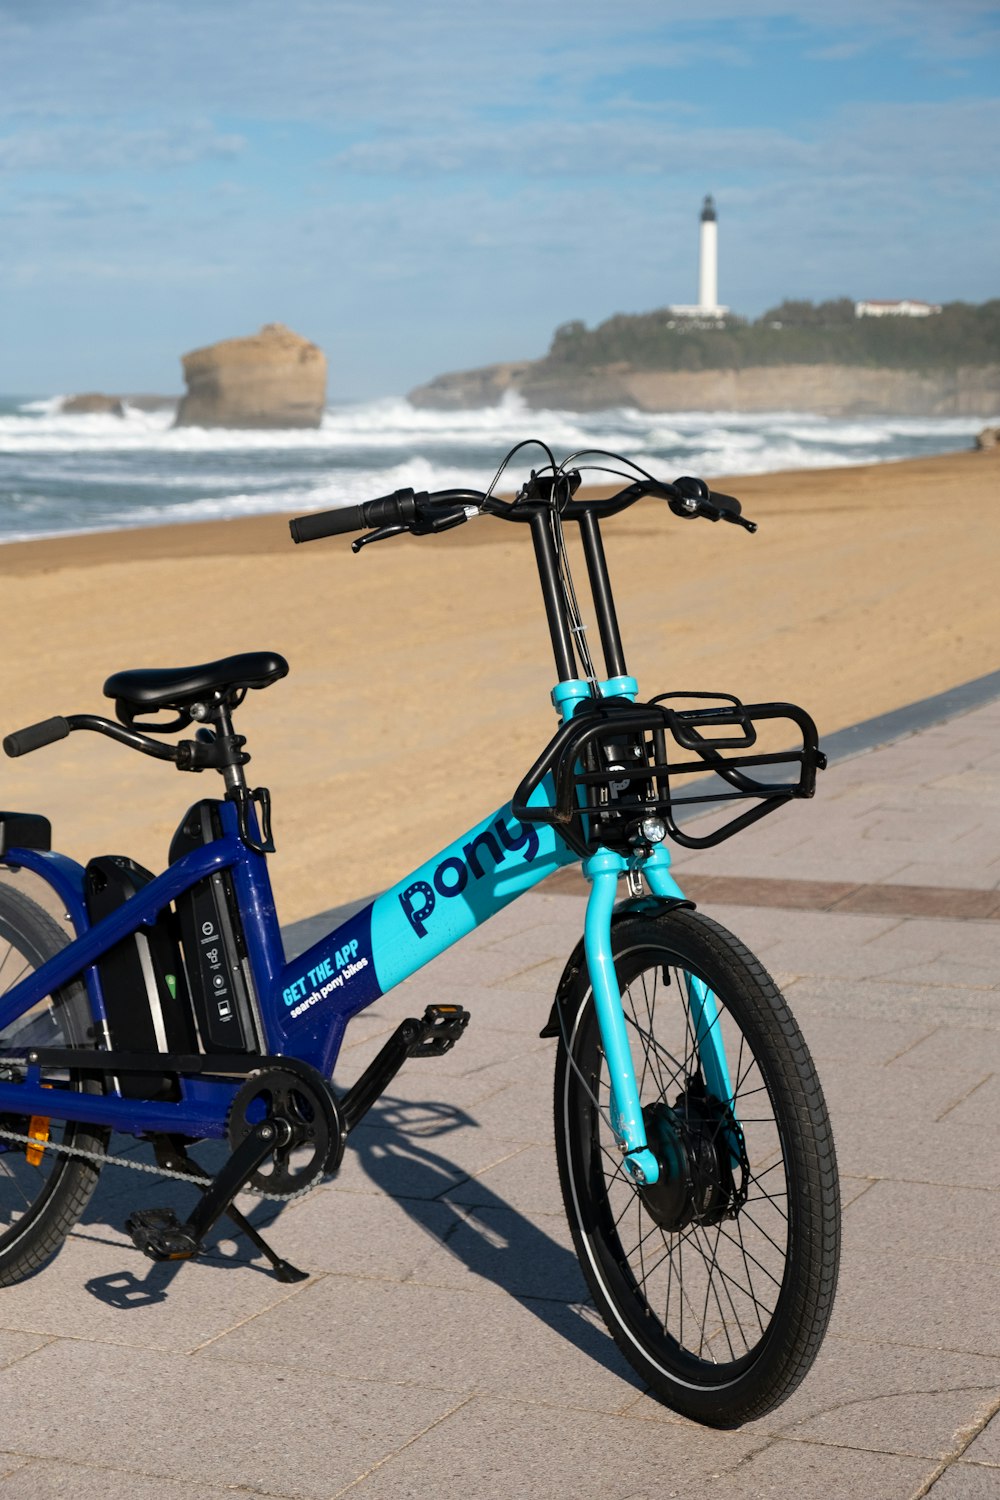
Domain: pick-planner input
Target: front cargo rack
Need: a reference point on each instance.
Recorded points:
(613, 763)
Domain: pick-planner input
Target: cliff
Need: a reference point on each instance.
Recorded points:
(274, 378)
(798, 356)
(828, 390)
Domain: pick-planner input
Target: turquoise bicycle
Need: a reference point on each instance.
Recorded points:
(694, 1148)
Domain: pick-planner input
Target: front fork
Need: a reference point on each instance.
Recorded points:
(603, 870)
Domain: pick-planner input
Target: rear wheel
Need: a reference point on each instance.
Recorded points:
(717, 1282)
(42, 1193)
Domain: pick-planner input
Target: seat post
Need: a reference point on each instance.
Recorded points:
(233, 774)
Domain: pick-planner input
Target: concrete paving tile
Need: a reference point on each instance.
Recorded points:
(852, 1188)
(986, 1447)
(300, 1433)
(528, 1181)
(363, 1233)
(943, 1222)
(980, 1109)
(895, 1297)
(550, 941)
(521, 1111)
(882, 1398)
(422, 1151)
(15, 1344)
(501, 1450)
(463, 1339)
(953, 1046)
(806, 1470)
(952, 971)
(910, 1147)
(540, 978)
(905, 1002)
(888, 1399)
(965, 1481)
(65, 1481)
(9, 1464)
(502, 1250)
(109, 1293)
(956, 873)
(843, 1039)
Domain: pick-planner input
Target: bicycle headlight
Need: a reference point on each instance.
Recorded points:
(653, 830)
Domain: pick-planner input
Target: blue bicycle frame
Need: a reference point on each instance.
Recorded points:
(303, 1006)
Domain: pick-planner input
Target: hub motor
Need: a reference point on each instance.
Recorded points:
(694, 1142)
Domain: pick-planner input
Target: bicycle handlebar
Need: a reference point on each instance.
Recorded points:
(405, 510)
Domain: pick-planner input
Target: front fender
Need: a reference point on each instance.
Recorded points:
(647, 905)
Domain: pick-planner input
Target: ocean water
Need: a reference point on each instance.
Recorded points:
(63, 474)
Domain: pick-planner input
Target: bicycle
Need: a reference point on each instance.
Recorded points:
(688, 1115)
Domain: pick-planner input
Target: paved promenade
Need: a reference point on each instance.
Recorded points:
(443, 1347)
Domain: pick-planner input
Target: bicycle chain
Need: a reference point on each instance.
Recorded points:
(105, 1159)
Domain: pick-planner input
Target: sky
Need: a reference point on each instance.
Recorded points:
(428, 185)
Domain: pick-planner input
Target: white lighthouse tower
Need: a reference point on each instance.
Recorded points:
(708, 261)
(707, 310)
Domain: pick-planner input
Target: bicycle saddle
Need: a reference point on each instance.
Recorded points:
(174, 687)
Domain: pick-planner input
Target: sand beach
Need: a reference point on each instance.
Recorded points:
(420, 670)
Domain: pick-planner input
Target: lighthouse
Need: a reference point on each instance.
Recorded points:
(706, 312)
(708, 261)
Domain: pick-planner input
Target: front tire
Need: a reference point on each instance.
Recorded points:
(42, 1194)
(717, 1284)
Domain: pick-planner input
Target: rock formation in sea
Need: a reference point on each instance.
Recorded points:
(274, 378)
(988, 439)
(92, 404)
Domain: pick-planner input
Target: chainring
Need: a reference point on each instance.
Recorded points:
(302, 1098)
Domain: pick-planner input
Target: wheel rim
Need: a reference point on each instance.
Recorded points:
(697, 1297)
(27, 1185)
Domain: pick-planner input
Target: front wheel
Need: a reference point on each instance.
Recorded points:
(717, 1282)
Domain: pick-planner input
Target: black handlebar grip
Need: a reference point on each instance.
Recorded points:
(388, 510)
(23, 741)
(326, 523)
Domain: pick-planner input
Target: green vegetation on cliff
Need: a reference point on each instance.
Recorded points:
(794, 333)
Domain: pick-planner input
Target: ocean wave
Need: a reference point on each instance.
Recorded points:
(61, 473)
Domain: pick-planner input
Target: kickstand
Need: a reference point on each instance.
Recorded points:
(172, 1154)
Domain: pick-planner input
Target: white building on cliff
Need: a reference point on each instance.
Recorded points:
(906, 308)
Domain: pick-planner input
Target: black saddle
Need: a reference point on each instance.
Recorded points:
(177, 687)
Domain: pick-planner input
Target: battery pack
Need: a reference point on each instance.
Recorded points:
(214, 951)
(142, 978)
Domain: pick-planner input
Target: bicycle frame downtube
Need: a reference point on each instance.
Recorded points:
(408, 925)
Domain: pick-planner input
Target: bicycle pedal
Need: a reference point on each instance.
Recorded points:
(158, 1233)
(440, 1028)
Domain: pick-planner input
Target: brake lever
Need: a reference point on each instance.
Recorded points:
(747, 525)
(444, 521)
(382, 535)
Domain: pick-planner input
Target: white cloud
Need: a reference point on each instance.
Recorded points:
(103, 148)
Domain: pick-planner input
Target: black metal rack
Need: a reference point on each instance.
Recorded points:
(613, 763)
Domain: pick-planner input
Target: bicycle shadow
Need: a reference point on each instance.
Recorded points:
(492, 1240)
(397, 1148)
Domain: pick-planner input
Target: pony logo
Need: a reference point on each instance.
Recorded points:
(453, 874)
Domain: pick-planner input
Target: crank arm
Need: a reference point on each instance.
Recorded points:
(172, 1155)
